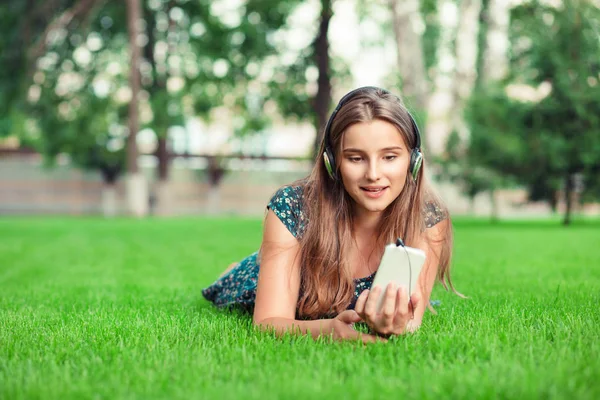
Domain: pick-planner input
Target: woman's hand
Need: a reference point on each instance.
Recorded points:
(342, 328)
(396, 310)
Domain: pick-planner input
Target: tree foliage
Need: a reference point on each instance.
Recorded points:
(541, 127)
(73, 99)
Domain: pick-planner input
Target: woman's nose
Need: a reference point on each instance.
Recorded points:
(373, 171)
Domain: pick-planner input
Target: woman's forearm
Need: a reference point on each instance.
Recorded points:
(315, 328)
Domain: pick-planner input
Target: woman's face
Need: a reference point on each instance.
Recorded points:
(374, 164)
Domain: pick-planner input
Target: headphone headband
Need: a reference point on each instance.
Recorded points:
(348, 96)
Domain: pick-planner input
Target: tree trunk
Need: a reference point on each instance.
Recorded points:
(161, 197)
(137, 187)
(323, 97)
(110, 174)
(411, 65)
(133, 25)
(466, 63)
(554, 202)
(213, 200)
(494, 205)
(163, 156)
(163, 191)
(495, 55)
(157, 88)
(568, 198)
(27, 22)
(441, 102)
(472, 205)
(109, 200)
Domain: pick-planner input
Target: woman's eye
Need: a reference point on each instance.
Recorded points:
(390, 157)
(354, 159)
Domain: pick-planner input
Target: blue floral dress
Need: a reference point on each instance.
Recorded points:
(237, 288)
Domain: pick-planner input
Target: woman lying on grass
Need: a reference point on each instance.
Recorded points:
(324, 236)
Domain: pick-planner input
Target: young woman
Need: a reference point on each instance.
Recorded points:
(324, 236)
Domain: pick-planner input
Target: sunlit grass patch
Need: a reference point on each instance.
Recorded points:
(112, 309)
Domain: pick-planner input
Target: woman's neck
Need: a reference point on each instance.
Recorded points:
(366, 255)
(366, 223)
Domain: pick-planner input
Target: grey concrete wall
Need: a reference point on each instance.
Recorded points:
(27, 187)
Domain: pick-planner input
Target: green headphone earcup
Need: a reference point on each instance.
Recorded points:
(416, 160)
(327, 160)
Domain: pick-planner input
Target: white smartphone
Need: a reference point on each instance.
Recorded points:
(399, 264)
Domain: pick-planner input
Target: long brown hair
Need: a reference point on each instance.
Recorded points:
(327, 285)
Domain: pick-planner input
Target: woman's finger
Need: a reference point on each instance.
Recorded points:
(371, 304)
(388, 309)
(349, 333)
(349, 317)
(403, 309)
(398, 300)
(415, 299)
(360, 302)
(368, 338)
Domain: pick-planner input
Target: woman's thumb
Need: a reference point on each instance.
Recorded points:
(415, 299)
(349, 317)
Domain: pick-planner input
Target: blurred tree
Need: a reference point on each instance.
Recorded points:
(137, 187)
(472, 177)
(454, 73)
(459, 162)
(543, 129)
(466, 50)
(157, 88)
(437, 45)
(197, 56)
(162, 33)
(26, 30)
(46, 101)
(408, 27)
(322, 99)
(496, 41)
(302, 89)
(413, 28)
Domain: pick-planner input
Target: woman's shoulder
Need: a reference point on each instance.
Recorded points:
(288, 195)
(434, 212)
(286, 204)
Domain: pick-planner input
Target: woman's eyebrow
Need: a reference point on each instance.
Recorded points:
(352, 149)
(391, 148)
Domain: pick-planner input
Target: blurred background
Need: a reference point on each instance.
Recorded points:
(196, 107)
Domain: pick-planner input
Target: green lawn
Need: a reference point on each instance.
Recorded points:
(93, 308)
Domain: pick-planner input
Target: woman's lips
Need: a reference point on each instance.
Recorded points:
(374, 192)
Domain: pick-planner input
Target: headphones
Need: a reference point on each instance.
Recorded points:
(416, 157)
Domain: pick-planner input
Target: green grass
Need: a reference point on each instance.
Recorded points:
(112, 309)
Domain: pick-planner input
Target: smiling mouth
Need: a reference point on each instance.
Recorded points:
(373, 189)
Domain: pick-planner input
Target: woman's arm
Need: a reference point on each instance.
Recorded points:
(278, 283)
(278, 289)
(340, 327)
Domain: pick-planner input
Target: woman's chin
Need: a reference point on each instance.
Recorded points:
(374, 207)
